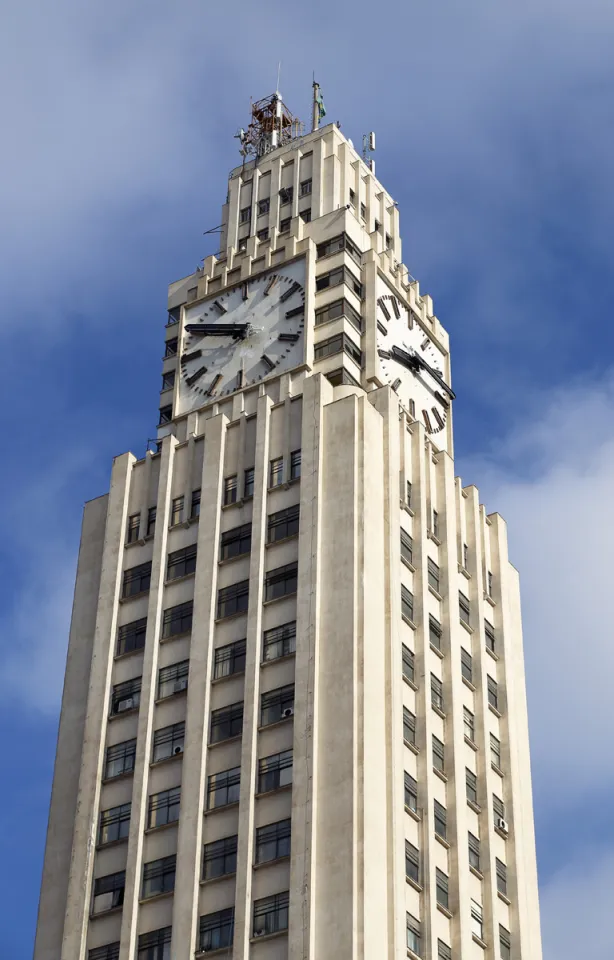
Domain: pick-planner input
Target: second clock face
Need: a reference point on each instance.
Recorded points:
(411, 362)
(242, 335)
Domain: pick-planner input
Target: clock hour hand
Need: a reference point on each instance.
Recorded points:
(414, 361)
(238, 331)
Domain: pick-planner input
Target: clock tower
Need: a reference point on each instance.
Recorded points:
(294, 720)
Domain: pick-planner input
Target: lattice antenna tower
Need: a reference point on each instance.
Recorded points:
(272, 125)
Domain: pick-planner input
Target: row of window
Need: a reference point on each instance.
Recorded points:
(340, 343)
(216, 930)
(413, 868)
(414, 934)
(437, 697)
(276, 478)
(286, 195)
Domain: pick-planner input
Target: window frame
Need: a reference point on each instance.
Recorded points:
(284, 635)
(274, 766)
(471, 786)
(442, 888)
(275, 704)
(216, 930)
(271, 914)
(236, 542)
(183, 560)
(139, 575)
(283, 578)
(222, 852)
(409, 726)
(174, 735)
(163, 869)
(232, 653)
(175, 673)
(283, 524)
(230, 491)
(226, 723)
(128, 752)
(408, 663)
(407, 603)
(131, 637)
(440, 820)
(229, 781)
(412, 862)
(232, 600)
(278, 835)
(164, 800)
(182, 615)
(114, 816)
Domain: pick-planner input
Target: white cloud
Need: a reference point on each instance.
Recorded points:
(576, 907)
(552, 480)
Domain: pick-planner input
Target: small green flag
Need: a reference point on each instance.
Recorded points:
(320, 105)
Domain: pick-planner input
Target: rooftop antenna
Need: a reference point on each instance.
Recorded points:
(368, 146)
(272, 125)
(278, 74)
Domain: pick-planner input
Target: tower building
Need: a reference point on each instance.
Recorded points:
(294, 721)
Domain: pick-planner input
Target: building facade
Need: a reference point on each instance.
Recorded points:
(294, 721)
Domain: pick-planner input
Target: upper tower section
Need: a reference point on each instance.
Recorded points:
(308, 278)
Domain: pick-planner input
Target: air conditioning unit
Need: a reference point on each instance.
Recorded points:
(288, 712)
(178, 749)
(180, 685)
(127, 704)
(503, 825)
(260, 932)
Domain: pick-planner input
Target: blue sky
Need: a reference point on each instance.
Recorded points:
(495, 134)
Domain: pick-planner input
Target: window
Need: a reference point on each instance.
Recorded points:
(443, 951)
(227, 722)
(286, 194)
(363, 211)
(173, 315)
(136, 580)
(173, 679)
(236, 542)
(413, 935)
(168, 742)
(466, 665)
(388, 242)
(336, 310)
(341, 378)
(245, 215)
(120, 759)
(284, 225)
(110, 951)
(166, 414)
(438, 755)
(230, 490)
(495, 751)
(263, 234)
(436, 692)
(220, 858)
(489, 584)
(232, 599)
(271, 914)
(125, 696)
(435, 530)
(434, 632)
(168, 380)
(264, 206)
(505, 943)
(409, 726)
(114, 824)
(474, 852)
(177, 620)
(440, 820)
(409, 492)
(352, 197)
(229, 659)
(248, 483)
(411, 793)
(433, 575)
(177, 511)
(412, 862)
(465, 555)
(163, 807)
(305, 215)
(493, 693)
(131, 636)
(339, 275)
(283, 524)
(216, 930)
(170, 347)
(441, 886)
(151, 521)
(498, 808)
(501, 877)
(277, 705)
(181, 562)
(336, 244)
(134, 523)
(275, 771)
(340, 343)
(464, 608)
(281, 582)
(273, 841)
(223, 788)
(305, 188)
(155, 945)
(407, 547)
(109, 892)
(276, 472)
(471, 783)
(158, 877)
(412, 409)
(376, 225)
(408, 659)
(407, 603)
(477, 925)
(195, 505)
(469, 724)
(295, 465)
(279, 642)
(489, 632)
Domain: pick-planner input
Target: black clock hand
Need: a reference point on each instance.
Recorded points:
(414, 361)
(238, 331)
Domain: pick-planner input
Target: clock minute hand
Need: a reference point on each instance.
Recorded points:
(414, 362)
(437, 376)
(238, 331)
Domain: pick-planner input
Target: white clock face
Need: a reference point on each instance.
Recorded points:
(242, 335)
(413, 365)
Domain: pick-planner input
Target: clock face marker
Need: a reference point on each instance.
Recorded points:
(384, 354)
(396, 384)
(213, 388)
(239, 378)
(286, 296)
(267, 361)
(196, 376)
(191, 356)
(395, 307)
(273, 280)
(425, 343)
(427, 421)
(384, 308)
(220, 306)
(382, 328)
(438, 418)
(245, 291)
(289, 337)
(296, 312)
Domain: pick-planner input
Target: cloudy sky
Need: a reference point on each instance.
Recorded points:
(495, 133)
